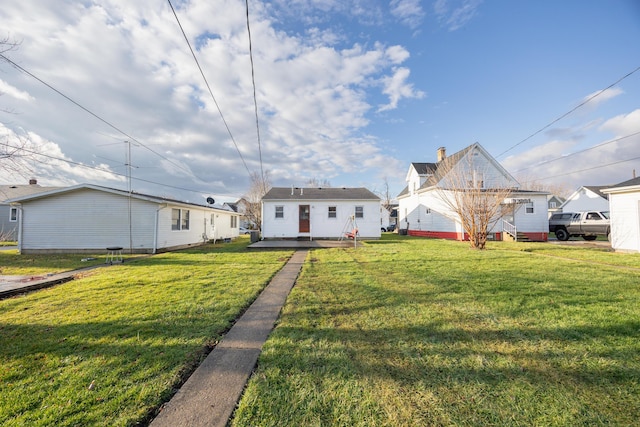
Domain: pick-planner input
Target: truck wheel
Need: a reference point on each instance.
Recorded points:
(562, 234)
(589, 237)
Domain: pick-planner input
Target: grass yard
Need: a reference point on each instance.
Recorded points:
(14, 264)
(107, 349)
(416, 332)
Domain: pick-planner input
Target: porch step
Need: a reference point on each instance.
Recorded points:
(521, 237)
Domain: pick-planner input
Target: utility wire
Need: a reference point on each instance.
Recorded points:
(255, 101)
(18, 67)
(570, 111)
(71, 162)
(209, 87)
(578, 152)
(590, 169)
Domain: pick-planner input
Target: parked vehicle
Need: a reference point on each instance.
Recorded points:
(391, 227)
(589, 225)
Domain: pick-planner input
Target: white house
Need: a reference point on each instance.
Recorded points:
(624, 211)
(90, 218)
(589, 198)
(320, 213)
(423, 212)
(9, 218)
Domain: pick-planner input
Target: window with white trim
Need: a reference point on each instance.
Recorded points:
(13, 215)
(529, 208)
(359, 212)
(179, 219)
(279, 212)
(333, 212)
(234, 221)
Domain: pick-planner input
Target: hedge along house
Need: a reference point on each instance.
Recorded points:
(423, 210)
(90, 218)
(320, 213)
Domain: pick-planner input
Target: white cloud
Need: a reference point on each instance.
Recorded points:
(455, 14)
(409, 12)
(127, 62)
(397, 88)
(599, 97)
(624, 124)
(7, 89)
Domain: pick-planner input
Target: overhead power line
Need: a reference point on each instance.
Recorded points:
(111, 125)
(255, 101)
(578, 152)
(592, 97)
(71, 162)
(209, 87)
(591, 168)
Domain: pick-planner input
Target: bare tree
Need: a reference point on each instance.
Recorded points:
(15, 150)
(472, 196)
(385, 193)
(558, 189)
(259, 186)
(318, 183)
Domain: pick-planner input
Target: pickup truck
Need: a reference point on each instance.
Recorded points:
(589, 224)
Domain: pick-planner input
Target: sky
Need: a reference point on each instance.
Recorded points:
(345, 92)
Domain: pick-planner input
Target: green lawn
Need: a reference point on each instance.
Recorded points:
(403, 331)
(416, 332)
(109, 348)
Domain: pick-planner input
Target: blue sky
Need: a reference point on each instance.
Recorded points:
(348, 91)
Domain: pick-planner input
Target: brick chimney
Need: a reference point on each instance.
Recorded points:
(442, 153)
(33, 181)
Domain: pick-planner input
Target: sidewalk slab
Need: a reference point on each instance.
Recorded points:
(210, 395)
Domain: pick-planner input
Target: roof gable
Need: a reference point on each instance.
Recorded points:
(455, 161)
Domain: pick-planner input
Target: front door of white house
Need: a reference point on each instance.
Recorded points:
(303, 218)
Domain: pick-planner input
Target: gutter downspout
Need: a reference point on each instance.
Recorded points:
(155, 228)
(20, 228)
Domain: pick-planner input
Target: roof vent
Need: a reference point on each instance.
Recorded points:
(33, 181)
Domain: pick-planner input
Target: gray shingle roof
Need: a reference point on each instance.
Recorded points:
(14, 191)
(629, 183)
(310, 193)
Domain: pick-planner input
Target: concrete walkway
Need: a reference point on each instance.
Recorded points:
(211, 394)
(14, 285)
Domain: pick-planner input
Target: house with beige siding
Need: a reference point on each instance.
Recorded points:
(91, 218)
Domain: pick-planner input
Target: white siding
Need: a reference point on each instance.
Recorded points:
(584, 199)
(625, 221)
(86, 219)
(536, 222)
(321, 226)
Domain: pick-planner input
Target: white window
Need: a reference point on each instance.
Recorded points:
(552, 205)
(529, 208)
(428, 211)
(279, 211)
(179, 219)
(234, 221)
(333, 212)
(359, 211)
(13, 215)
